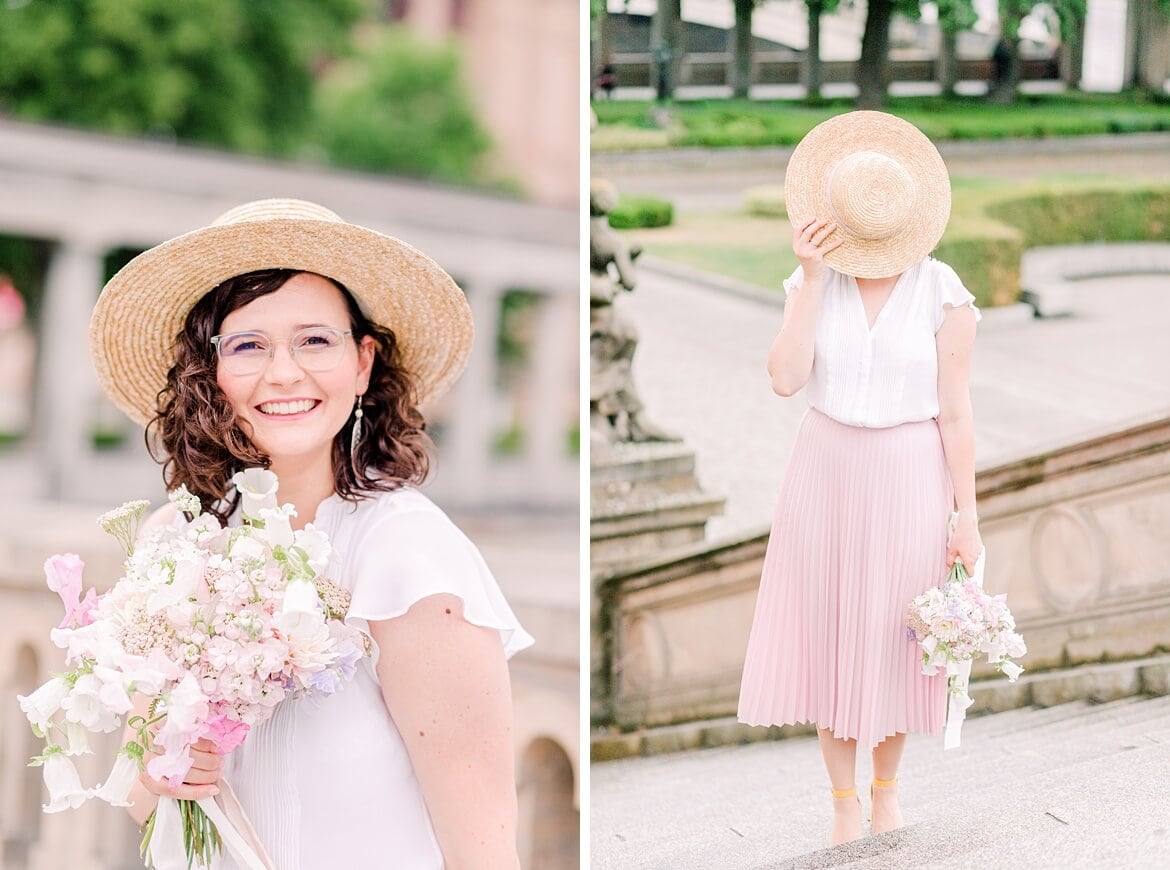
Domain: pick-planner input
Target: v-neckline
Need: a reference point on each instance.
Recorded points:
(870, 327)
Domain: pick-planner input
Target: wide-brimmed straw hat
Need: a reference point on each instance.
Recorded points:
(142, 308)
(881, 181)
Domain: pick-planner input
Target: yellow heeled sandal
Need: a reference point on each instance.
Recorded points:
(850, 792)
(880, 783)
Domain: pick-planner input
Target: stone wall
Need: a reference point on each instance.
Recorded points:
(1076, 536)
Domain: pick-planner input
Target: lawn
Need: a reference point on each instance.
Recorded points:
(628, 125)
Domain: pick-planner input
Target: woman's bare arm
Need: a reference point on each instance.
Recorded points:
(445, 683)
(790, 360)
(954, 341)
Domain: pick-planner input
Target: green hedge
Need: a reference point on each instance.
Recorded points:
(989, 258)
(641, 212)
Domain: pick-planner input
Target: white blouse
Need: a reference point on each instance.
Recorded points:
(886, 375)
(327, 782)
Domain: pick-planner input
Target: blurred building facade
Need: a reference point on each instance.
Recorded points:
(508, 469)
(522, 66)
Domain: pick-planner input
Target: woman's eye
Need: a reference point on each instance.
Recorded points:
(247, 345)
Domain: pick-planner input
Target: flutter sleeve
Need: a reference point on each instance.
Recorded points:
(950, 292)
(409, 555)
(792, 282)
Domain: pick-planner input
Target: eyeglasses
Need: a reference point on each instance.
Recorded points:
(315, 349)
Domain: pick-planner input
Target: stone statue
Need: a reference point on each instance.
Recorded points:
(615, 409)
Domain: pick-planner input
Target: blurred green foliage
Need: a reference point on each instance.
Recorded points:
(633, 212)
(327, 80)
(400, 104)
(234, 73)
(742, 123)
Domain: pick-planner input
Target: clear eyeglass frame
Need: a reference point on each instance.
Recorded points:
(308, 357)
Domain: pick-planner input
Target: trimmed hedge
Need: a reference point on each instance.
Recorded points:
(641, 212)
(989, 259)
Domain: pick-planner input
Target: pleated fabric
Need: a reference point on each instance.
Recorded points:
(860, 529)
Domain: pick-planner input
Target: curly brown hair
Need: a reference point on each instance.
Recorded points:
(203, 445)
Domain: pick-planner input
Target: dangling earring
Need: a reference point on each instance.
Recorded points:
(356, 435)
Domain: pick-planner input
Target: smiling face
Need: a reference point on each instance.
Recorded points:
(290, 413)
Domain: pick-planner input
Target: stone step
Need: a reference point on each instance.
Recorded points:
(641, 462)
(617, 517)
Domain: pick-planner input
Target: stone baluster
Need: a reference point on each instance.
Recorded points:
(66, 383)
(471, 418)
(549, 412)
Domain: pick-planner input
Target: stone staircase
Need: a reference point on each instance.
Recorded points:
(1074, 785)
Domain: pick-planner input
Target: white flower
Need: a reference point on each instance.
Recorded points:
(185, 501)
(42, 705)
(247, 547)
(116, 788)
(65, 790)
(122, 522)
(257, 488)
(84, 706)
(277, 528)
(182, 586)
(316, 545)
(1011, 670)
(301, 597)
(77, 739)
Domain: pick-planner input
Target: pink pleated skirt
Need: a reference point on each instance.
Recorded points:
(860, 529)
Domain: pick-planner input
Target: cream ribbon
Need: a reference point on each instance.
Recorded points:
(239, 839)
(959, 674)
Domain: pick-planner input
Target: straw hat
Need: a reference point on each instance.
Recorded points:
(883, 183)
(143, 307)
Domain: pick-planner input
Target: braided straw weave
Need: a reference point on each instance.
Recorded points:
(881, 180)
(142, 308)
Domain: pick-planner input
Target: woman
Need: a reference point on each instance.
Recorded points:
(880, 335)
(315, 370)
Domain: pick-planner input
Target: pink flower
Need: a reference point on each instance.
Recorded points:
(225, 733)
(63, 575)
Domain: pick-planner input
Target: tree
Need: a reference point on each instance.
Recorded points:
(954, 16)
(1148, 40)
(741, 34)
(810, 70)
(234, 73)
(873, 65)
(400, 106)
(1011, 12)
(666, 43)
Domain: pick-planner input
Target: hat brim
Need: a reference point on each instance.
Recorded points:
(143, 307)
(806, 195)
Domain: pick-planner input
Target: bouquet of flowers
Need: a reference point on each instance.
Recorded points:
(956, 622)
(213, 627)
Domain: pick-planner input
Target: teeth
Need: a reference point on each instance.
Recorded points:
(287, 407)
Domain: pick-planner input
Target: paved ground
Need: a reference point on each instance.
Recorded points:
(700, 366)
(1072, 786)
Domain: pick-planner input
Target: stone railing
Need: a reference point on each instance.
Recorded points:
(1076, 536)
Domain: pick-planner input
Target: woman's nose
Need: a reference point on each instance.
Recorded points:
(282, 367)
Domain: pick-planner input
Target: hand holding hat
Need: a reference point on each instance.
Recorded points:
(883, 184)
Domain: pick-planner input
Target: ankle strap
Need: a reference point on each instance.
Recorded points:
(844, 792)
(884, 783)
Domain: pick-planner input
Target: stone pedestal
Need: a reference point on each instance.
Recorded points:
(645, 506)
(645, 501)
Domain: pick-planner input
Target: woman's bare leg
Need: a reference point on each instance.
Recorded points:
(841, 762)
(885, 814)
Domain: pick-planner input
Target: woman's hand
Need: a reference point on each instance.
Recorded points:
(807, 244)
(965, 544)
(201, 780)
